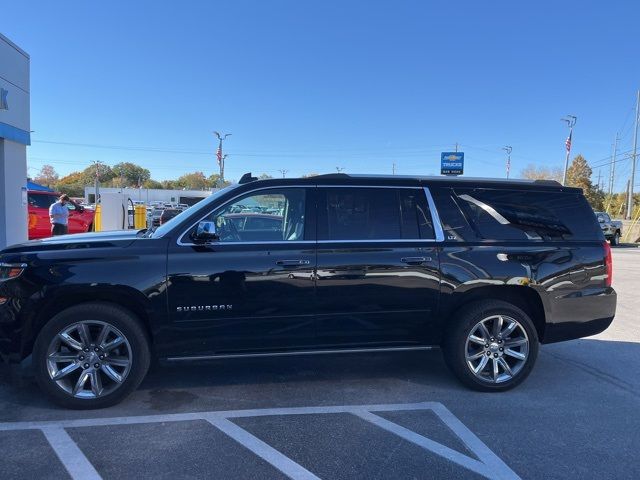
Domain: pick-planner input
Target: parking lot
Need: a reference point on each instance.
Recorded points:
(400, 415)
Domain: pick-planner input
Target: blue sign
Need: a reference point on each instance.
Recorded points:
(452, 163)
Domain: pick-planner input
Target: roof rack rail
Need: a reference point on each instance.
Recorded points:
(246, 178)
(333, 175)
(547, 181)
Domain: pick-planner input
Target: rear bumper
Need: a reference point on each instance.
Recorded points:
(580, 316)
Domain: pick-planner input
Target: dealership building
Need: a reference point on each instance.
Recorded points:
(14, 138)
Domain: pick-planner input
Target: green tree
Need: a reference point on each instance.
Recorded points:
(129, 174)
(193, 181)
(47, 176)
(72, 184)
(579, 175)
(153, 184)
(264, 176)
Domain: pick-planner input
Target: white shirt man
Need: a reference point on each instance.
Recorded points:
(59, 216)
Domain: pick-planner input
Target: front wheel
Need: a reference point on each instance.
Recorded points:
(91, 356)
(492, 346)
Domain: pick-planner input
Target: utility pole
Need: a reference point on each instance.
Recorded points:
(221, 138)
(283, 172)
(571, 121)
(612, 170)
(599, 176)
(97, 163)
(508, 150)
(634, 158)
(339, 169)
(393, 168)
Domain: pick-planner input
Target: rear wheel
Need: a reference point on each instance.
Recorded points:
(91, 356)
(492, 347)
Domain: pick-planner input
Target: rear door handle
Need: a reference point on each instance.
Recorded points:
(415, 260)
(291, 263)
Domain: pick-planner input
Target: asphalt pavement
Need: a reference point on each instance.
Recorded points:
(400, 415)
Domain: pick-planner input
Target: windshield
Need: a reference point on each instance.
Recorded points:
(163, 229)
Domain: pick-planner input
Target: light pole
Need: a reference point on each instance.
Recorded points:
(508, 150)
(571, 121)
(97, 163)
(283, 172)
(221, 137)
(339, 169)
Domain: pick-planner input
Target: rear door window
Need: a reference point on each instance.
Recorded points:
(369, 213)
(527, 215)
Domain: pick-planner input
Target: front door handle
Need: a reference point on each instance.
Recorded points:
(415, 260)
(292, 263)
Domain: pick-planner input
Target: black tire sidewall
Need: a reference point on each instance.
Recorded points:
(123, 320)
(456, 338)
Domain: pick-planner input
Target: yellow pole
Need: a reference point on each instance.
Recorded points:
(97, 219)
(140, 217)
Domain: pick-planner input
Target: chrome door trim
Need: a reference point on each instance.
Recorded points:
(435, 217)
(190, 244)
(300, 352)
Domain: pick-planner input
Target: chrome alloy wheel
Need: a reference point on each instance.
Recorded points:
(497, 348)
(89, 359)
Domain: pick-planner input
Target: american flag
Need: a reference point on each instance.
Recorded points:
(568, 142)
(219, 155)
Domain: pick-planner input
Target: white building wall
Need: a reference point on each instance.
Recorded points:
(14, 138)
(147, 195)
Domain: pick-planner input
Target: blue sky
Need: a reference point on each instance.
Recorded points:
(310, 86)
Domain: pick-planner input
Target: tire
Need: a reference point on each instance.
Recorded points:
(123, 354)
(458, 346)
(615, 240)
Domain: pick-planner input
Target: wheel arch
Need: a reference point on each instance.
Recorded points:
(525, 298)
(122, 297)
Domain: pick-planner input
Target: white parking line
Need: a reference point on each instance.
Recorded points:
(79, 467)
(69, 454)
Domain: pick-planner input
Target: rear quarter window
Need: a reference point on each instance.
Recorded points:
(527, 215)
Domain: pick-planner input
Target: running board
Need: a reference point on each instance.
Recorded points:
(299, 352)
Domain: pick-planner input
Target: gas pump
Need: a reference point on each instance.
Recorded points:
(114, 210)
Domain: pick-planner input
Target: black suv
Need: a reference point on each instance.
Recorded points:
(486, 269)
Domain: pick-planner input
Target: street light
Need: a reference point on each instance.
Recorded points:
(508, 150)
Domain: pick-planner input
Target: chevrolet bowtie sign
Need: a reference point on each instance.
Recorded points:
(451, 163)
(3, 99)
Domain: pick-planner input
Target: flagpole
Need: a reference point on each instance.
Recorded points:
(571, 121)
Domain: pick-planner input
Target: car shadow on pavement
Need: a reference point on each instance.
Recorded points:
(587, 364)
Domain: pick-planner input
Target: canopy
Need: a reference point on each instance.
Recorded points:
(35, 186)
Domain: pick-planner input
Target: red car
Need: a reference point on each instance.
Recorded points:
(80, 218)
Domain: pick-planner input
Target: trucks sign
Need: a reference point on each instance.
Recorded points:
(452, 163)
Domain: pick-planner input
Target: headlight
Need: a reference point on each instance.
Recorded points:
(9, 271)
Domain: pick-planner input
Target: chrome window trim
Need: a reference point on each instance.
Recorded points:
(435, 218)
(191, 244)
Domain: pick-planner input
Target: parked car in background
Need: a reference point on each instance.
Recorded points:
(80, 218)
(612, 229)
(168, 213)
(155, 216)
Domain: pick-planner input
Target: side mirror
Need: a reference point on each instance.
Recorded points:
(206, 232)
(80, 208)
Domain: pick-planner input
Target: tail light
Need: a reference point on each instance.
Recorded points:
(608, 263)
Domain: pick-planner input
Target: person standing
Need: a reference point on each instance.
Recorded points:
(59, 216)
